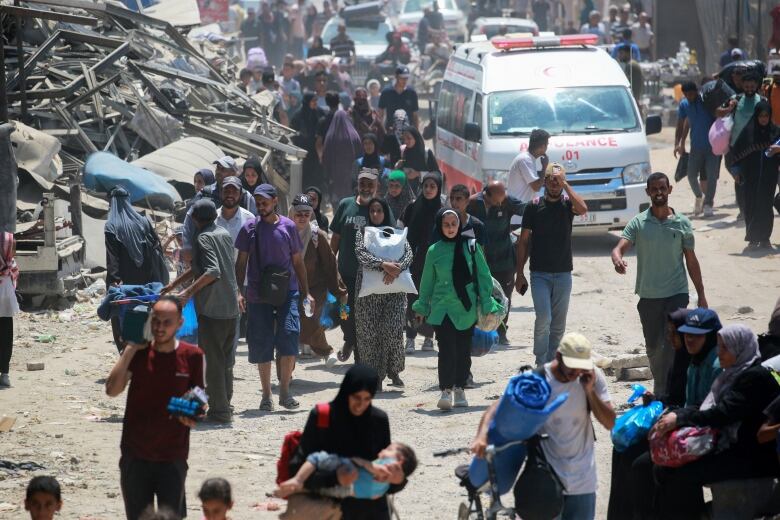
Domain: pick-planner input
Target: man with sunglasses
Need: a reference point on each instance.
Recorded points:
(569, 446)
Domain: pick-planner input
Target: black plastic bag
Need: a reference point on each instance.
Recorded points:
(715, 94)
(682, 168)
(538, 492)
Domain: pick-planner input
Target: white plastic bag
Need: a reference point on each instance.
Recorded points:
(388, 244)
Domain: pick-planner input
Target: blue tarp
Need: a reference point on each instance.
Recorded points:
(104, 171)
(522, 411)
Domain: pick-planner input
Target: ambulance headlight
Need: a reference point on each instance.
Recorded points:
(496, 175)
(636, 173)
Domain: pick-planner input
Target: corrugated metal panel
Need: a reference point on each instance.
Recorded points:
(179, 161)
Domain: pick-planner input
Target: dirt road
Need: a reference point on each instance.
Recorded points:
(66, 423)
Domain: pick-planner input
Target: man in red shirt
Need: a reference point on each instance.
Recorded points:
(154, 445)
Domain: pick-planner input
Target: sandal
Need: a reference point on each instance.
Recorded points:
(289, 402)
(266, 405)
(344, 353)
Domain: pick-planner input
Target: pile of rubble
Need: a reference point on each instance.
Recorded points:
(92, 76)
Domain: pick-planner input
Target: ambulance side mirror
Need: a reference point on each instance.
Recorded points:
(653, 125)
(472, 132)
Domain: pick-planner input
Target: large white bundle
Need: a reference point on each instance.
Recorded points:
(388, 244)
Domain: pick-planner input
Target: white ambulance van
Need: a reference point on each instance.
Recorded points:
(495, 92)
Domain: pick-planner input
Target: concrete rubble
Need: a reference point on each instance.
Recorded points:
(86, 76)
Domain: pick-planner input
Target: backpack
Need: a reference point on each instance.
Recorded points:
(292, 442)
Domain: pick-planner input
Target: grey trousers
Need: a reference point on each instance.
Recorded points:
(653, 314)
(216, 338)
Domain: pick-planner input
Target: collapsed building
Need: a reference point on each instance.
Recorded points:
(87, 79)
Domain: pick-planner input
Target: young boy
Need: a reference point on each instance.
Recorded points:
(365, 484)
(43, 498)
(216, 499)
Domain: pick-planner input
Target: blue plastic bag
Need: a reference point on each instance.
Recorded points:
(483, 342)
(635, 424)
(190, 325)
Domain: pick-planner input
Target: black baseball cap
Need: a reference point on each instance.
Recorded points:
(402, 71)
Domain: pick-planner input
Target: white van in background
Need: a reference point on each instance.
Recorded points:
(495, 92)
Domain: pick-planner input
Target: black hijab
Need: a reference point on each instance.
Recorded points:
(415, 158)
(305, 121)
(420, 215)
(322, 220)
(388, 220)
(371, 161)
(354, 434)
(256, 165)
(756, 138)
(461, 276)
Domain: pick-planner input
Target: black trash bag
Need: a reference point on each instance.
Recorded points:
(682, 168)
(715, 94)
(538, 492)
(748, 65)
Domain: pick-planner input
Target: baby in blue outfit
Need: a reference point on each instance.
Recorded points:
(371, 481)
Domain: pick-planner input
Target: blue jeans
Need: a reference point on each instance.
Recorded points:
(705, 160)
(578, 507)
(550, 292)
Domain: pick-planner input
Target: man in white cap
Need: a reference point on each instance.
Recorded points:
(569, 447)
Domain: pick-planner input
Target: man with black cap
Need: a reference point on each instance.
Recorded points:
(214, 290)
(351, 216)
(399, 96)
(276, 280)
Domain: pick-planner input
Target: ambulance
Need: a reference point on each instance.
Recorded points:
(495, 92)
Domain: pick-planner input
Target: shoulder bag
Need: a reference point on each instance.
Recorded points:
(274, 280)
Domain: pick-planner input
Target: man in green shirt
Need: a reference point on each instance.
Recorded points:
(351, 216)
(663, 238)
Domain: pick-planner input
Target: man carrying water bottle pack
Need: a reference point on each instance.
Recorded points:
(569, 446)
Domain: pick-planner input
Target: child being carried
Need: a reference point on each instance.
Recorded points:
(368, 480)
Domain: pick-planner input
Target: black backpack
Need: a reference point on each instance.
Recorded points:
(538, 491)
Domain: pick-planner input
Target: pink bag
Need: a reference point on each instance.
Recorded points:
(679, 447)
(720, 135)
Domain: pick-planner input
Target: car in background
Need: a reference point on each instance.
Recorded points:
(370, 37)
(492, 26)
(454, 17)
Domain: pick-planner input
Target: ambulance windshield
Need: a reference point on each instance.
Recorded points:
(562, 111)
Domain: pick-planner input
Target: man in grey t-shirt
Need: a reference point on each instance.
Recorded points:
(570, 445)
(216, 302)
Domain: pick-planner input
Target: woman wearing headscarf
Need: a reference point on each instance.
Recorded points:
(322, 274)
(448, 300)
(420, 217)
(203, 178)
(735, 407)
(341, 148)
(305, 123)
(398, 195)
(134, 255)
(317, 47)
(380, 318)
(355, 429)
(315, 197)
(758, 173)
(252, 174)
(414, 160)
(9, 306)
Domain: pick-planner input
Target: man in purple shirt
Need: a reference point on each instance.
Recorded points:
(271, 245)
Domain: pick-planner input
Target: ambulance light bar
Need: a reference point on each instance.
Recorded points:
(570, 40)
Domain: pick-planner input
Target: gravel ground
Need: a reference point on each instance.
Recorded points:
(65, 422)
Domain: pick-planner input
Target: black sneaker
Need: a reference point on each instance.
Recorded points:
(396, 381)
(344, 353)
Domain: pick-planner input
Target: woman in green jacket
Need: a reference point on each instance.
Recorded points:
(448, 301)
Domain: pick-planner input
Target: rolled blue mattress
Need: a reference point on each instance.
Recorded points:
(104, 171)
(522, 411)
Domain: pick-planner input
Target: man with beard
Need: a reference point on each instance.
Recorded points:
(364, 118)
(547, 225)
(232, 217)
(214, 289)
(275, 248)
(351, 216)
(663, 238)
